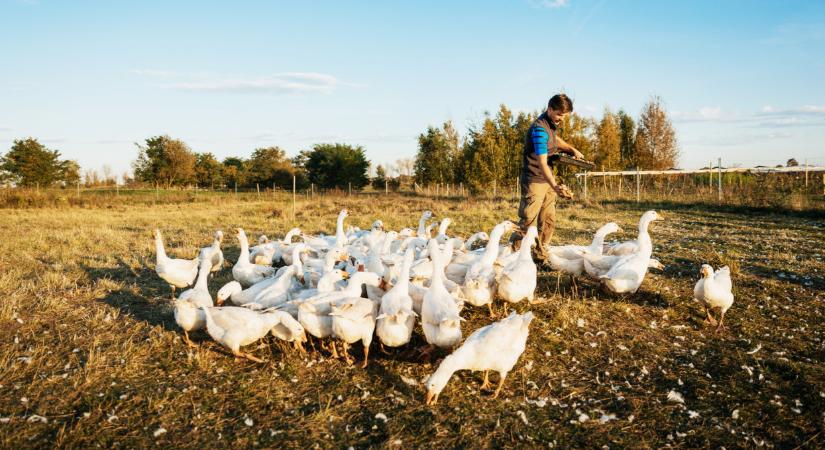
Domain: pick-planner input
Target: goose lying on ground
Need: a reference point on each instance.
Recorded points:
(494, 347)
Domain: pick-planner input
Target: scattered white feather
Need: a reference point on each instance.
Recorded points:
(381, 416)
(675, 397)
(758, 347)
(580, 323)
(159, 431)
(607, 418)
(522, 416)
(735, 414)
(248, 422)
(693, 414)
(35, 418)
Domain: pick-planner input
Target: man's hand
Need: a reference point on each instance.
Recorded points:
(577, 154)
(563, 191)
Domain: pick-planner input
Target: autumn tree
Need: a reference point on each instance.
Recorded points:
(164, 160)
(656, 146)
(608, 141)
(234, 171)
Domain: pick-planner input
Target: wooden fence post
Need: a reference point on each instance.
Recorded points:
(350, 189)
(719, 176)
(806, 173)
(638, 183)
(78, 188)
(585, 185)
(293, 197)
(258, 189)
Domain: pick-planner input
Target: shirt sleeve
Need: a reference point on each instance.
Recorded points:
(540, 139)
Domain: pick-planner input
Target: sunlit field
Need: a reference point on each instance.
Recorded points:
(90, 354)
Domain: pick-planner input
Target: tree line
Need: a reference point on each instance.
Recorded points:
(491, 152)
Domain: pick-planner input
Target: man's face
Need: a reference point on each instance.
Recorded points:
(556, 116)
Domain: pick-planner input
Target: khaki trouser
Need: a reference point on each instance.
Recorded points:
(537, 208)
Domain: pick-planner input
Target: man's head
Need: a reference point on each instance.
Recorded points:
(558, 107)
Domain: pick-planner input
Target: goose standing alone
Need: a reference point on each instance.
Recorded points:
(496, 347)
(714, 290)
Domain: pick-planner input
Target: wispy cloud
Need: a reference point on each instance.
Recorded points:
(766, 117)
(282, 83)
(554, 4)
(279, 83)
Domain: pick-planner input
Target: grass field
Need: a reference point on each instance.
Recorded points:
(90, 354)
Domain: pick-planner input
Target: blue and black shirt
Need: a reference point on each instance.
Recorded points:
(540, 140)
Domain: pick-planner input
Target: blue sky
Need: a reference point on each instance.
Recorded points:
(743, 80)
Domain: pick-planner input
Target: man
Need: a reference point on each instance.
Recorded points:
(539, 188)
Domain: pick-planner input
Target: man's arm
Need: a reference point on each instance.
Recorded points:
(567, 148)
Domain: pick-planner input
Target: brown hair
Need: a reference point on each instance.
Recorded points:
(561, 103)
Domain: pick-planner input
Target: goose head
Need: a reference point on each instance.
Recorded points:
(655, 264)
(427, 215)
(262, 239)
(227, 291)
(609, 228)
(378, 225)
(649, 217)
(706, 271)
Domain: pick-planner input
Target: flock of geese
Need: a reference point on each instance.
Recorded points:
(357, 284)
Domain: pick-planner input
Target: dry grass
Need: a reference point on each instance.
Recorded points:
(90, 354)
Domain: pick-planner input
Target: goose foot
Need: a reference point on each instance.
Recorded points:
(383, 350)
(241, 355)
(345, 350)
(299, 346)
(721, 326)
(366, 357)
(486, 384)
(500, 385)
(188, 341)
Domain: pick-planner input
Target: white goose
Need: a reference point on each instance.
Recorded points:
(628, 273)
(423, 232)
(396, 318)
(324, 242)
(353, 320)
(313, 314)
(234, 327)
(496, 347)
(187, 315)
(234, 292)
(518, 280)
(215, 251)
(480, 281)
(179, 273)
(440, 317)
(245, 272)
(714, 290)
(630, 247)
(570, 259)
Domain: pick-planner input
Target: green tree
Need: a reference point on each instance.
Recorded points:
(30, 163)
(337, 165)
(380, 178)
(608, 141)
(493, 151)
(164, 160)
(627, 139)
(656, 146)
(208, 171)
(269, 166)
(234, 171)
(438, 155)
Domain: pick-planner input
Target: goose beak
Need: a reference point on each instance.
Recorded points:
(344, 274)
(219, 302)
(431, 398)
